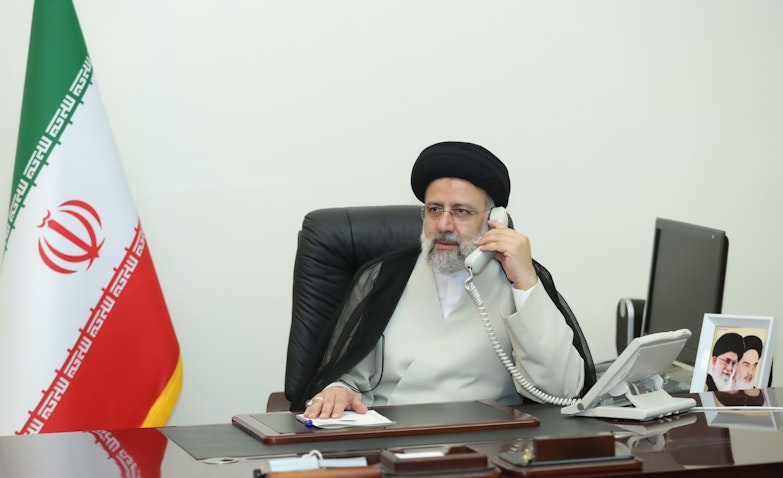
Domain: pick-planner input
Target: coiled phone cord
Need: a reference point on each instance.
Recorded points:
(504, 359)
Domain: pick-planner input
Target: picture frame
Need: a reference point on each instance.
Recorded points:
(730, 337)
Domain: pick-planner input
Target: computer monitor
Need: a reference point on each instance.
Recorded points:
(686, 280)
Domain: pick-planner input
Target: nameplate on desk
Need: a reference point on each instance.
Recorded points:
(417, 419)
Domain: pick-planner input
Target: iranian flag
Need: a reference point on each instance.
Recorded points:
(86, 342)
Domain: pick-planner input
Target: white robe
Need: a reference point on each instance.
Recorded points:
(428, 359)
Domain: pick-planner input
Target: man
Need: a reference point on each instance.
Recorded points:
(725, 353)
(408, 332)
(746, 368)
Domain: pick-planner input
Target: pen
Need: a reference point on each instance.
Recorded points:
(301, 418)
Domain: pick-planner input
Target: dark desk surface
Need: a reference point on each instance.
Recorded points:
(697, 444)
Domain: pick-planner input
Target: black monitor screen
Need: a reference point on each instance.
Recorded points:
(686, 280)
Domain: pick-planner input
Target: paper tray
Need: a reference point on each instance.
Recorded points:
(419, 419)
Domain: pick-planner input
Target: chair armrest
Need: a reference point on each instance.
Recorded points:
(277, 402)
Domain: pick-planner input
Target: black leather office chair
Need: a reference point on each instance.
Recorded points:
(333, 244)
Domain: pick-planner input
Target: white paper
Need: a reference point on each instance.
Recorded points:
(349, 419)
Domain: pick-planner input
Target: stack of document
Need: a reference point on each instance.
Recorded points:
(349, 419)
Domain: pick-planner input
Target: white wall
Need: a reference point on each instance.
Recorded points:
(236, 117)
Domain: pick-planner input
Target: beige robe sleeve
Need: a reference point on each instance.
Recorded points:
(542, 346)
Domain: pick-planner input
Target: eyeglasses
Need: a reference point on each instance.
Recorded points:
(728, 362)
(461, 215)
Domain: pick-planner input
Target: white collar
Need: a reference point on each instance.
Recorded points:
(450, 289)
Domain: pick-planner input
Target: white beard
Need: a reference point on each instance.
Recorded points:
(722, 383)
(743, 385)
(453, 260)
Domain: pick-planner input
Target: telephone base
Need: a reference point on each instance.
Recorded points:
(645, 406)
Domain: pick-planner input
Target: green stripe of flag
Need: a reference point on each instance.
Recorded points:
(57, 58)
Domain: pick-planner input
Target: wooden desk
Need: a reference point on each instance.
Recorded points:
(695, 444)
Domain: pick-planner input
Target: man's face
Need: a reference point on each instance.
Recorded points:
(445, 241)
(722, 369)
(746, 369)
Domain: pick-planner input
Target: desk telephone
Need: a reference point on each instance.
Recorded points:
(475, 264)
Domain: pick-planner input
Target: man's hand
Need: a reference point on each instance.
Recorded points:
(512, 249)
(331, 403)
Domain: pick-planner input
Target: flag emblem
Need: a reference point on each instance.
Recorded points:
(70, 237)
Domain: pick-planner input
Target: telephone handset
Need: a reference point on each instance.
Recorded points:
(475, 263)
(478, 259)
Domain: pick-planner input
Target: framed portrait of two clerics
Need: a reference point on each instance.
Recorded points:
(735, 353)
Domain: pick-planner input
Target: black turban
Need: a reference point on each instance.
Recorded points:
(753, 342)
(730, 342)
(467, 161)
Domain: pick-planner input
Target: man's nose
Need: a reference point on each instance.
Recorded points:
(445, 222)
